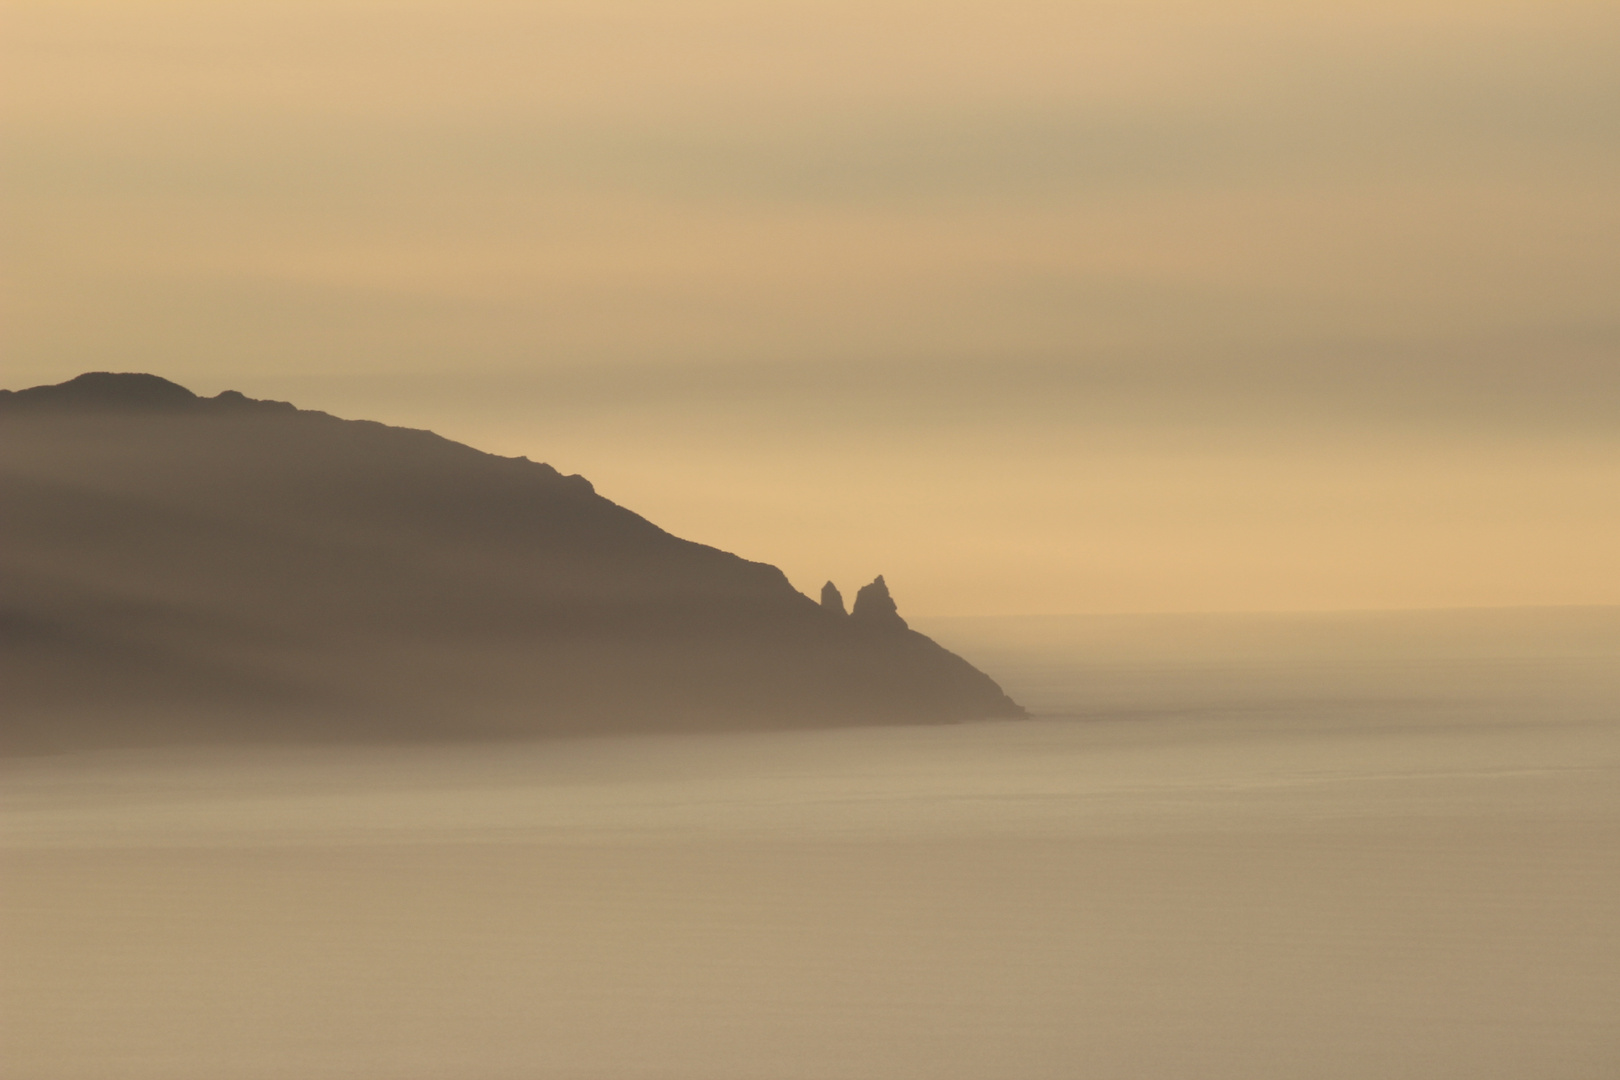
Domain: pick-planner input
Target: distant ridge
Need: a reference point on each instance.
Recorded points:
(103, 389)
(126, 391)
(181, 567)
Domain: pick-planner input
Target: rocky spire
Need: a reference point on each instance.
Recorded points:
(832, 599)
(874, 605)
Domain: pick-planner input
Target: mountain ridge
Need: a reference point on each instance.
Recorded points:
(230, 564)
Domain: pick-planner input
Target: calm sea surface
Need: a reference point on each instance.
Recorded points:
(1226, 846)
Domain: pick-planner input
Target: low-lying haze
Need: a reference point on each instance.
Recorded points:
(1230, 847)
(1033, 307)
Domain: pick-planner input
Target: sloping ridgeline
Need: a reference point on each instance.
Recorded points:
(177, 568)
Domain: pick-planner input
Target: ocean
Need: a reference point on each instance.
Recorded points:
(1337, 846)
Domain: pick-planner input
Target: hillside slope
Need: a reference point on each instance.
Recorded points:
(176, 567)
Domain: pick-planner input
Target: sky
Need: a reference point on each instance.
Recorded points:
(1171, 305)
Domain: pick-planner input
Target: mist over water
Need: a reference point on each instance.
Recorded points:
(1369, 844)
(336, 750)
(1369, 666)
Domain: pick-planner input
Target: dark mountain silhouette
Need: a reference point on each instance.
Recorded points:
(178, 567)
(875, 607)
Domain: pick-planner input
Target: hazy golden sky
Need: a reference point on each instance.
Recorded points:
(1170, 305)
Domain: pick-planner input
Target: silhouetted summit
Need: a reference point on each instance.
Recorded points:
(874, 606)
(127, 392)
(832, 600)
(103, 390)
(181, 567)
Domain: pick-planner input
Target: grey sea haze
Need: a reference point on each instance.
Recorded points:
(1343, 845)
